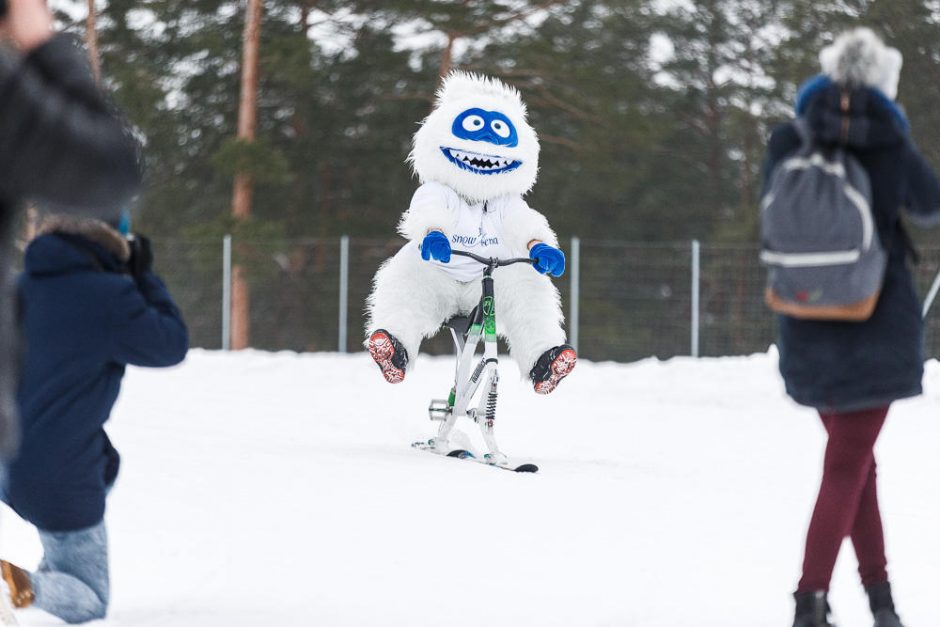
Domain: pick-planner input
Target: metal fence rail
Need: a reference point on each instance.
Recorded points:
(624, 300)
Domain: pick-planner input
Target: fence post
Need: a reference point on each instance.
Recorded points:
(343, 291)
(575, 318)
(227, 292)
(696, 294)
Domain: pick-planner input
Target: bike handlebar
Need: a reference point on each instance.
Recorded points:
(490, 261)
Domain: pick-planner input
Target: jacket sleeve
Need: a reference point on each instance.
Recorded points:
(147, 328)
(432, 207)
(923, 189)
(522, 224)
(61, 144)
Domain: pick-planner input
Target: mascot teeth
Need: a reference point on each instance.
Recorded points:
(480, 163)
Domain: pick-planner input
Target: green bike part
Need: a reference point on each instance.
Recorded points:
(489, 318)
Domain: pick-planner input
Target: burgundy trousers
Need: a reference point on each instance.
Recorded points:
(848, 502)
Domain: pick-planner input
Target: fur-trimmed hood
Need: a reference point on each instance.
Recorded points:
(67, 243)
(93, 230)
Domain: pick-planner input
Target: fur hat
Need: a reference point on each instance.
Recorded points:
(859, 58)
(477, 140)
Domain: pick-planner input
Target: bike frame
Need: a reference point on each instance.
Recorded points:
(474, 374)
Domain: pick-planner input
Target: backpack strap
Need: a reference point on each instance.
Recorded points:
(804, 130)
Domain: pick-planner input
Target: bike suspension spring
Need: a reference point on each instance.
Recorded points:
(491, 402)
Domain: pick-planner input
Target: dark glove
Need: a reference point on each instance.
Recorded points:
(548, 260)
(141, 260)
(435, 245)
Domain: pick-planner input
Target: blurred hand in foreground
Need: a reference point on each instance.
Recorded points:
(28, 24)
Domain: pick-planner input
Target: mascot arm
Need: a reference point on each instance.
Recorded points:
(525, 227)
(432, 209)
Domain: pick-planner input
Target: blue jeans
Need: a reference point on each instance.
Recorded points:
(72, 581)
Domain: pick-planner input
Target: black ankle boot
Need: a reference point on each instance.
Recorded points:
(812, 610)
(882, 605)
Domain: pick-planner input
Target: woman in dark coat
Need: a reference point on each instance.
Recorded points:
(90, 305)
(851, 372)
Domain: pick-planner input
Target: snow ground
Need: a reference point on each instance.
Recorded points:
(280, 490)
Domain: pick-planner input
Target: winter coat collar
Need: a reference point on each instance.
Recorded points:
(875, 120)
(90, 229)
(68, 243)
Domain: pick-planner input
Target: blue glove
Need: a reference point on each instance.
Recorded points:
(435, 245)
(548, 260)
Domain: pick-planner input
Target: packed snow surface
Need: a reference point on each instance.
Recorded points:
(281, 490)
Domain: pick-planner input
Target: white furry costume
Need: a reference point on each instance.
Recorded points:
(475, 156)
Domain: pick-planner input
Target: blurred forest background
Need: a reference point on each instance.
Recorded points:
(653, 116)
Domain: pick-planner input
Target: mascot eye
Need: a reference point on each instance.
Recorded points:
(472, 123)
(500, 128)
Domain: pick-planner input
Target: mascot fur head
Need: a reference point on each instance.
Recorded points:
(477, 140)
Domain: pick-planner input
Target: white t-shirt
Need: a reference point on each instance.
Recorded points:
(478, 231)
(500, 227)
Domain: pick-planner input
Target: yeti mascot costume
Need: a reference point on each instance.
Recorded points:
(475, 156)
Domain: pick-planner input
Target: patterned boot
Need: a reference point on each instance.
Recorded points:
(389, 354)
(554, 365)
(17, 580)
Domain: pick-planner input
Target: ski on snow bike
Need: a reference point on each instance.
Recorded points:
(475, 376)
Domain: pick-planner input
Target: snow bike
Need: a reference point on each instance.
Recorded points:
(474, 374)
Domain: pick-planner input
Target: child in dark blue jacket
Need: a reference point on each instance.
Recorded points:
(90, 305)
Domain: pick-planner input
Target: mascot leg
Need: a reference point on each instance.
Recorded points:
(410, 300)
(528, 314)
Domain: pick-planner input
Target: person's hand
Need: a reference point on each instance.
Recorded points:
(435, 245)
(141, 260)
(548, 259)
(28, 23)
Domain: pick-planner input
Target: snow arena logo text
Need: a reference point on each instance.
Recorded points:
(469, 241)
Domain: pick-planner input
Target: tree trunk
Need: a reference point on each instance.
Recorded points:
(305, 7)
(447, 59)
(241, 299)
(244, 184)
(91, 40)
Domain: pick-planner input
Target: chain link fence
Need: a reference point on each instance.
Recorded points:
(635, 299)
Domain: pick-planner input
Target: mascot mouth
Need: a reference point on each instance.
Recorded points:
(479, 163)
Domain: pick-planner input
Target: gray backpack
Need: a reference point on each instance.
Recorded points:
(819, 241)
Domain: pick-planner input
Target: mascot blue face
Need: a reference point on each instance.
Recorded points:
(477, 140)
(478, 125)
